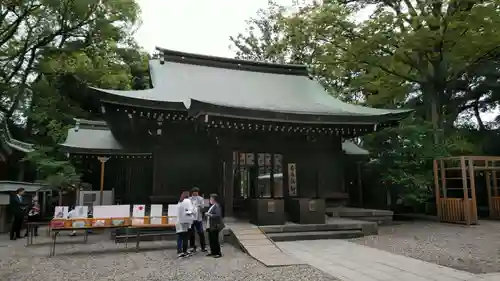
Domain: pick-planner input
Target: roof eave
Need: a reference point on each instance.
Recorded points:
(106, 96)
(200, 107)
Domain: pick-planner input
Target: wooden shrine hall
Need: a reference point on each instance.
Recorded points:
(266, 137)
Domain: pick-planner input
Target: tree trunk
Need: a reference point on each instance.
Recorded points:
(477, 114)
(432, 98)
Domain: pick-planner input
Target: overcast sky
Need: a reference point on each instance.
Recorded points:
(197, 26)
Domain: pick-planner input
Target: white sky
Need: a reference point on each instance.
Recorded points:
(196, 26)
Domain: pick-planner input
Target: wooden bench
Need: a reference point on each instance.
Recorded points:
(137, 228)
(138, 232)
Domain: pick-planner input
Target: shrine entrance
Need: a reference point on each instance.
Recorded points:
(255, 176)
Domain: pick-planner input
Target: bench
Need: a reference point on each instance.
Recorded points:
(139, 232)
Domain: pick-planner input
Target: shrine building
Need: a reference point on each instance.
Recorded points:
(266, 137)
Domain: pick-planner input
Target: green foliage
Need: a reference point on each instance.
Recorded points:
(403, 157)
(56, 173)
(49, 52)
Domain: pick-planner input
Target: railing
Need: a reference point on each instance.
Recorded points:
(453, 210)
(495, 208)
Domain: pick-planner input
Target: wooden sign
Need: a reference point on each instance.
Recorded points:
(243, 158)
(268, 159)
(271, 207)
(235, 157)
(260, 159)
(312, 205)
(292, 179)
(250, 159)
(278, 162)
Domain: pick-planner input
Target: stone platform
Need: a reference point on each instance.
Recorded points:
(334, 228)
(373, 215)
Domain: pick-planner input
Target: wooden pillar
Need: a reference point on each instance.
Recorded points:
(437, 189)
(488, 187)
(360, 184)
(495, 180)
(463, 168)
(443, 178)
(103, 160)
(473, 202)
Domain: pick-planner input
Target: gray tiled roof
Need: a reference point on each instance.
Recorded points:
(10, 186)
(91, 135)
(185, 83)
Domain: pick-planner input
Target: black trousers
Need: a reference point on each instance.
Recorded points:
(17, 224)
(183, 237)
(213, 240)
(197, 227)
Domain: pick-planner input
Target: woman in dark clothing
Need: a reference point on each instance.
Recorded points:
(214, 226)
(34, 215)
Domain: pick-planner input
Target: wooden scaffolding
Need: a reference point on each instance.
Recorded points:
(455, 187)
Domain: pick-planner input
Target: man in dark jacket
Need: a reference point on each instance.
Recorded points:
(18, 208)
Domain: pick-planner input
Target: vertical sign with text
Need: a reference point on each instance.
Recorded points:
(292, 179)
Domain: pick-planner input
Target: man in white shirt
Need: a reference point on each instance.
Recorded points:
(197, 227)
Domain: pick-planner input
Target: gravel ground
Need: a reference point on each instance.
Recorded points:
(475, 249)
(101, 259)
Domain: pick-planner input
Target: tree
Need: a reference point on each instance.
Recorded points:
(424, 48)
(403, 158)
(29, 27)
(58, 173)
(50, 52)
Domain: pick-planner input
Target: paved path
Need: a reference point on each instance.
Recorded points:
(259, 246)
(352, 262)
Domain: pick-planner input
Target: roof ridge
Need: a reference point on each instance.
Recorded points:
(231, 63)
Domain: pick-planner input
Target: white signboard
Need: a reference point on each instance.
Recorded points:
(156, 214)
(138, 214)
(81, 212)
(172, 213)
(61, 212)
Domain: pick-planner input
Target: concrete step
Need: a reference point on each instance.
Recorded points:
(310, 227)
(315, 235)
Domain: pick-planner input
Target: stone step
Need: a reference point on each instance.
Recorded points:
(315, 235)
(310, 227)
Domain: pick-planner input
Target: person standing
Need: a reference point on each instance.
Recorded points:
(34, 215)
(197, 226)
(18, 208)
(215, 224)
(71, 215)
(183, 224)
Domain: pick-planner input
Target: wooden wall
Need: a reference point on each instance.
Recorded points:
(182, 163)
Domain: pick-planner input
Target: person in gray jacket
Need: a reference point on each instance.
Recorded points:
(215, 224)
(197, 227)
